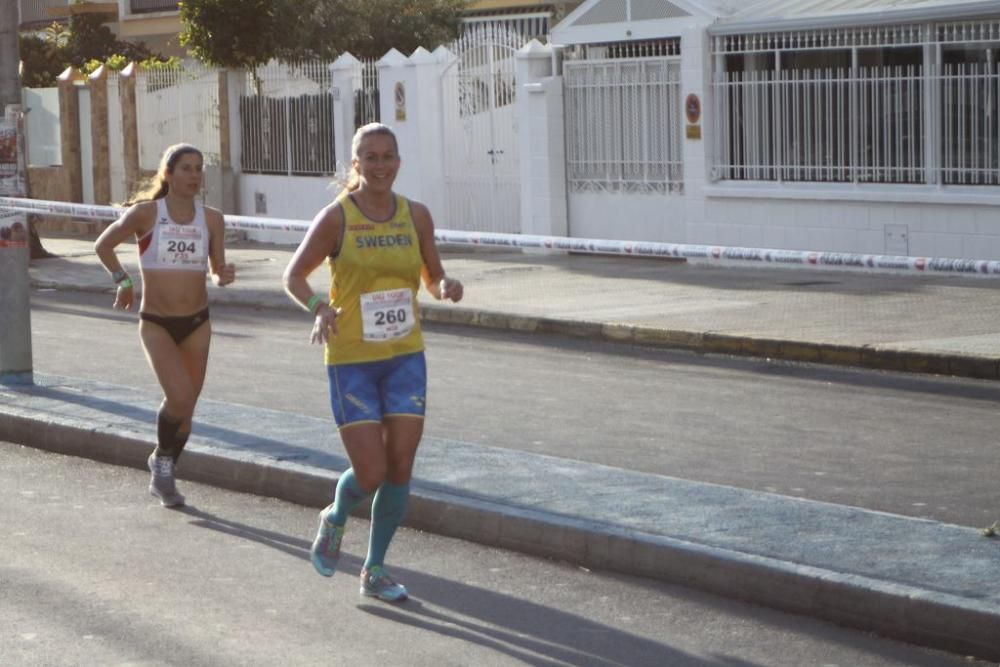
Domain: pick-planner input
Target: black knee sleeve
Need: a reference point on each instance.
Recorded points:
(166, 435)
(179, 441)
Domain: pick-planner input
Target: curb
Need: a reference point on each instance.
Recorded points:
(933, 619)
(861, 356)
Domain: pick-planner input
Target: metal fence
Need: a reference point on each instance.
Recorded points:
(366, 101)
(178, 105)
(287, 120)
(970, 124)
(623, 125)
(35, 12)
(146, 6)
(821, 125)
(897, 104)
(863, 125)
(529, 24)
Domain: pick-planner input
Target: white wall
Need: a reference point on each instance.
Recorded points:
(928, 221)
(919, 228)
(297, 198)
(42, 126)
(628, 217)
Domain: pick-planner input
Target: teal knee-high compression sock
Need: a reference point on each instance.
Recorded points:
(348, 496)
(388, 509)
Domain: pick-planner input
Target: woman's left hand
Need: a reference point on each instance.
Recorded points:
(451, 288)
(225, 275)
(324, 324)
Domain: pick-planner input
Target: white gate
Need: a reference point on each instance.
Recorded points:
(181, 105)
(178, 105)
(482, 177)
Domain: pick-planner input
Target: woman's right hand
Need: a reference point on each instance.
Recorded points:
(324, 325)
(124, 298)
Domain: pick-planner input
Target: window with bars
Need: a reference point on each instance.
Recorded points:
(287, 121)
(623, 117)
(147, 6)
(866, 105)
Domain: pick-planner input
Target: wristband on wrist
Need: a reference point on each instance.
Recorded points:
(125, 283)
(313, 304)
(119, 275)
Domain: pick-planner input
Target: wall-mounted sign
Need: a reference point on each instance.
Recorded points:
(692, 108)
(13, 226)
(400, 97)
(693, 132)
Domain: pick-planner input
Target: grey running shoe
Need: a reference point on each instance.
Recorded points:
(325, 551)
(161, 484)
(375, 583)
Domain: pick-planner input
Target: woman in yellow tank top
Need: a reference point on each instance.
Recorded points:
(378, 245)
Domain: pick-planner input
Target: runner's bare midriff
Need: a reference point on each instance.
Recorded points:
(173, 293)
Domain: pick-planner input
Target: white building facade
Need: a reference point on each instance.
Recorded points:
(863, 126)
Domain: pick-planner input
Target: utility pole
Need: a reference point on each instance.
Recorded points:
(15, 309)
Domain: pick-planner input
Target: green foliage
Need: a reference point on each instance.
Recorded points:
(90, 39)
(40, 68)
(234, 33)
(118, 62)
(249, 33)
(403, 25)
(80, 44)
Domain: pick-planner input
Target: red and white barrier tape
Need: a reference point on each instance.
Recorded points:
(707, 253)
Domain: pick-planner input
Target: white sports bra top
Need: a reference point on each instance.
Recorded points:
(175, 247)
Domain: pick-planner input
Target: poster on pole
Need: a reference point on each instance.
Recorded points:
(13, 226)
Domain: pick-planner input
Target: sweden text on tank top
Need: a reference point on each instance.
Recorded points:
(375, 278)
(174, 247)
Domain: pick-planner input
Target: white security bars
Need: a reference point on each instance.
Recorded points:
(482, 175)
(366, 104)
(822, 125)
(36, 11)
(623, 118)
(530, 25)
(970, 94)
(893, 104)
(286, 117)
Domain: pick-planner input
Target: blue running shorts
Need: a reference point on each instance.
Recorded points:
(371, 390)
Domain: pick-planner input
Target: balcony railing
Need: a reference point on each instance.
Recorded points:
(147, 6)
(33, 12)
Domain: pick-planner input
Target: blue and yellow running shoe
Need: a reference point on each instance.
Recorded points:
(375, 583)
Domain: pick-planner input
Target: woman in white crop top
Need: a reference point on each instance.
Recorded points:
(179, 241)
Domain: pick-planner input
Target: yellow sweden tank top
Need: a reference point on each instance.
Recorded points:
(374, 281)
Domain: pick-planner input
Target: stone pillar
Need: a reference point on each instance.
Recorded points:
(345, 82)
(69, 132)
(411, 99)
(230, 95)
(130, 128)
(229, 122)
(98, 84)
(541, 135)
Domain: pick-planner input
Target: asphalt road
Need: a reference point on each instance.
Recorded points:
(912, 445)
(94, 572)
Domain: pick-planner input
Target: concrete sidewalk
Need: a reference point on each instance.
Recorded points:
(945, 325)
(921, 581)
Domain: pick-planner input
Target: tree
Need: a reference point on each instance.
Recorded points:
(403, 25)
(83, 40)
(90, 39)
(249, 33)
(235, 33)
